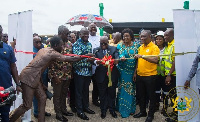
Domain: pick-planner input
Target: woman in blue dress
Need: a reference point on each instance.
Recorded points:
(126, 100)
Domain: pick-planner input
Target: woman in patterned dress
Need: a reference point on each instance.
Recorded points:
(126, 101)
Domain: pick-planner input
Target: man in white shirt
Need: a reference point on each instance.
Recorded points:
(94, 40)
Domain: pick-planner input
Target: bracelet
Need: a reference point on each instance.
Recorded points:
(168, 74)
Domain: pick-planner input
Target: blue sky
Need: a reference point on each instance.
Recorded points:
(49, 14)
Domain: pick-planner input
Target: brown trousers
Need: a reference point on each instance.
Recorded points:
(27, 96)
(59, 96)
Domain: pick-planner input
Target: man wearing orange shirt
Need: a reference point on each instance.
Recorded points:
(146, 75)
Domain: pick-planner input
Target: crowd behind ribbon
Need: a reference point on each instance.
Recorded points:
(139, 79)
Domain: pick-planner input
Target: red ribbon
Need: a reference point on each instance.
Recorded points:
(104, 60)
(24, 52)
(81, 56)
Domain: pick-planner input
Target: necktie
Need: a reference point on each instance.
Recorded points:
(104, 52)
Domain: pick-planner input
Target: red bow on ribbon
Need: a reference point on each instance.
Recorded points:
(107, 60)
(109, 63)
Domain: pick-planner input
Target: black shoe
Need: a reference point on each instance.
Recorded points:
(89, 111)
(68, 114)
(149, 119)
(103, 115)
(147, 105)
(35, 115)
(137, 102)
(170, 120)
(61, 118)
(157, 106)
(113, 114)
(47, 114)
(82, 116)
(140, 115)
(164, 112)
(96, 103)
(73, 109)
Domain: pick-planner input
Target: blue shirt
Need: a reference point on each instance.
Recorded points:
(195, 69)
(35, 50)
(45, 78)
(82, 67)
(7, 57)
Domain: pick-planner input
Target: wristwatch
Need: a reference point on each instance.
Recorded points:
(18, 84)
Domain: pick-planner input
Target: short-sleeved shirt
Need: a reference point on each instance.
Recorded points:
(83, 67)
(62, 70)
(7, 57)
(146, 68)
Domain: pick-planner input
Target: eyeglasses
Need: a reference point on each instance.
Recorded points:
(126, 37)
(104, 43)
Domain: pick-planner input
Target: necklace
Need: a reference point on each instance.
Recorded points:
(128, 45)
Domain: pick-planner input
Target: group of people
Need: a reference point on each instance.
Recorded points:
(139, 73)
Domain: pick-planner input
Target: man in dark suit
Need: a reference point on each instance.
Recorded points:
(107, 94)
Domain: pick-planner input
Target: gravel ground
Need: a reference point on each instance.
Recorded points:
(96, 117)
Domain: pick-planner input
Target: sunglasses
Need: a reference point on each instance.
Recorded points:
(103, 43)
(38, 42)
